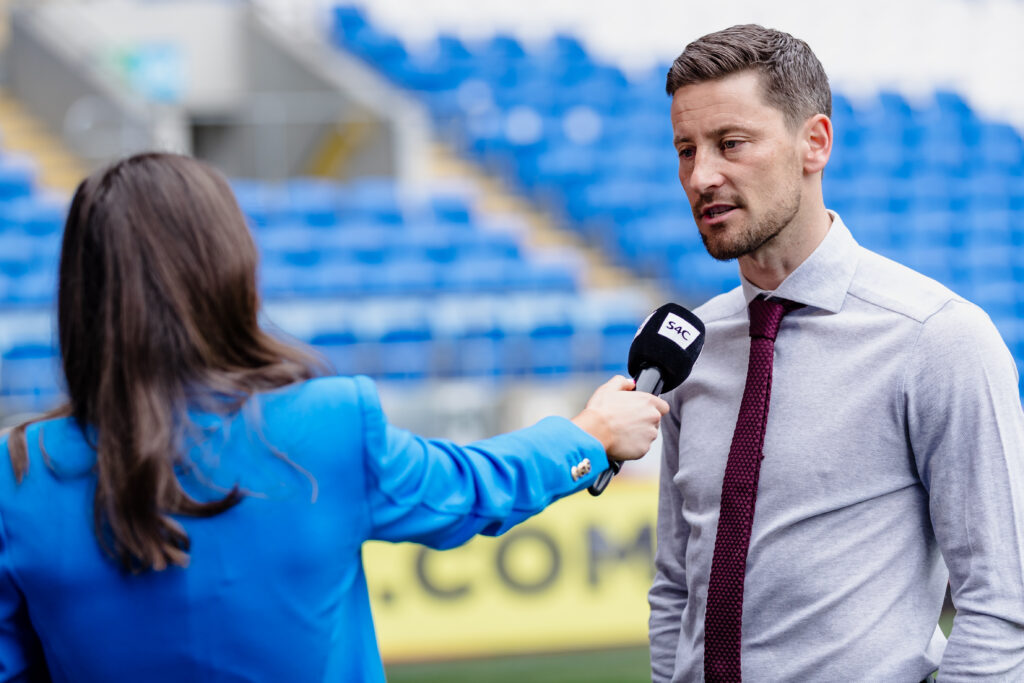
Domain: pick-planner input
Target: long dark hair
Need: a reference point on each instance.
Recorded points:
(157, 311)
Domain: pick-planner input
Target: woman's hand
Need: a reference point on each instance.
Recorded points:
(623, 420)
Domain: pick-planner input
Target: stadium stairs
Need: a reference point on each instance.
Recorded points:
(23, 134)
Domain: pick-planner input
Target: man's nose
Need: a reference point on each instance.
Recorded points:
(706, 172)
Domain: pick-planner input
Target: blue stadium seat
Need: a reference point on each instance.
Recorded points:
(17, 178)
(502, 47)
(655, 241)
(347, 21)
(998, 146)
(927, 228)
(406, 353)
(550, 349)
(937, 147)
(881, 153)
(30, 286)
(33, 214)
(314, 202)
(933, 260)
(989, 227)
(442, 66)
(953, 105)
(407, 276)
(703, 277)
(568, 167)
(602, 87)
(997, 297)
(364, 243)
(488, 246)
(374, 200)
(332, 276)
(895, 105)
(481, 352)
(263, 203)
(29, 377)
(643, 127)
(640, 160)
(381, 50)
(17, 252)
(450, 209)
(340, 276)
(284, 236)
(843, 113)
(622, 201)
(988, 189)
(345, 352)
(476, 276)
(932, 190)
(563, 54)
(545, 278)
(616, 338)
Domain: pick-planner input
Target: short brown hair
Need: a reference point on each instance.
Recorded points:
(793, 79)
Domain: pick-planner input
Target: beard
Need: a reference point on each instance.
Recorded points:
(726, 245)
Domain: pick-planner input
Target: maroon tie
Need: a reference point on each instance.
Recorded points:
(724, 614)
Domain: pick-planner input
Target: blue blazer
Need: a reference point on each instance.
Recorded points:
(275, 590)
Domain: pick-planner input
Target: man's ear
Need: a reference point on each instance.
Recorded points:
(816, 143)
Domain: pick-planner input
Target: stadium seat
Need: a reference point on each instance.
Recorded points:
(481, 352)
(29, 377)
(17, 177)
(616, 338)
(406, 353)
(343, 350)
(550, 349)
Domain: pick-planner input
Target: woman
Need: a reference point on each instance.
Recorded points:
(196, 510)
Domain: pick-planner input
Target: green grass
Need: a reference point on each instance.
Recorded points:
(946, 621)
(604, 666)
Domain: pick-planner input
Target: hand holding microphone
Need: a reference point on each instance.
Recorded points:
(661, 356)
(625, 422)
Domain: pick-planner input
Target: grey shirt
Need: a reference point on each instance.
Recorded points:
(894, 449)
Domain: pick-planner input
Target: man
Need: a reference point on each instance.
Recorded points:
(851, 429)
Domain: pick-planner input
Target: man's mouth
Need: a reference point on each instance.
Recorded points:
(716, 210)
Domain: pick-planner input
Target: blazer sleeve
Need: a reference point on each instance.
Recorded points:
(21, 657)
(441, 494)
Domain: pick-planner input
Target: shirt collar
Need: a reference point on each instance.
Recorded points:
(824, 277)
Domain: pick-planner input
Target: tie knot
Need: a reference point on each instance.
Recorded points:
(766, 314)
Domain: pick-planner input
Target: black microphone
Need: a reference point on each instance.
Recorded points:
(661, 356)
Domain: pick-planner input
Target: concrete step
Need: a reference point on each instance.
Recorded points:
(21, 133)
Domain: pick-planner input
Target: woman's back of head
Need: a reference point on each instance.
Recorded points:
(157, 313)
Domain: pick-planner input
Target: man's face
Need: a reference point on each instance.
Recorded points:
(738, 163)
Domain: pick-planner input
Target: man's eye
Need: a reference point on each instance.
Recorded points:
(730, 144)
(686, 153)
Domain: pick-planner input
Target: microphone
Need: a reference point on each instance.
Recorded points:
(661, 356)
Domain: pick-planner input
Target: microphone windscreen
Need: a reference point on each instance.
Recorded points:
(670, 340)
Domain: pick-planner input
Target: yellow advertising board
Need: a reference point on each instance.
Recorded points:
(575, 576)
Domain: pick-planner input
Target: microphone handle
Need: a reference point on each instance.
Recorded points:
(649, 380)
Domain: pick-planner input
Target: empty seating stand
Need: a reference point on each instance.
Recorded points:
(929, 183)
(365, 247)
